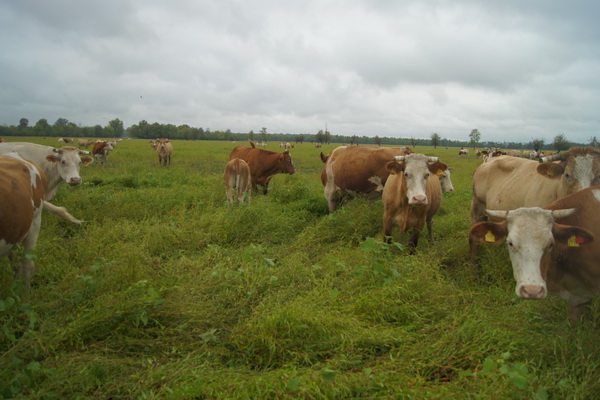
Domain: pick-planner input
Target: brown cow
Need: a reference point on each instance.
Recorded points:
(508, 183)
(164, 148)
(22, 190)
(412, 195)
(101, 150)
(263, 164)
(237, 176)
(85, 143)
(552, 258)
(351, 170)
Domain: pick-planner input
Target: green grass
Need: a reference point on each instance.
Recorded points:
(167, 293)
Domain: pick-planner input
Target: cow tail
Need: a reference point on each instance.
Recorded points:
(61, 212)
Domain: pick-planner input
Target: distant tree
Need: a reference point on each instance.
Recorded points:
(117, 126)
(320, 137)
(61, 122)
(251, 135)
(263, 134)
(537, 144)
(377, 140)
(42, 128)
(474, 137)
(299, 139)
(327, 136)
(23, 123)
(560, 142)
(413, 142)
(435, 139)
(594, 142)
(354, 140)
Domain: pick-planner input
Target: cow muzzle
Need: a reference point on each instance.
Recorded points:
(418, 200)
(74, 181)
(531, 292)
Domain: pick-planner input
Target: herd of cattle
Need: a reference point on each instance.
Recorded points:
(547, 211)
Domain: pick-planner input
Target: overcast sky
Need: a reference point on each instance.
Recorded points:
(513, 69)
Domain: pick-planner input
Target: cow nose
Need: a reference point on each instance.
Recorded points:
(76, 180)
(532, 292)
(419, 199)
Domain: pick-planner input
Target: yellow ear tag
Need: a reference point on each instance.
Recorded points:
(573, 242)
(549, 172)
(392, 172)
(440, 173)
(489, 237)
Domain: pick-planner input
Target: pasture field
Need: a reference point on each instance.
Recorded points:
(167, 293)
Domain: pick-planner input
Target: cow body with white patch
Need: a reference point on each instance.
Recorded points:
(264, 164)
(101, 150)
(412, 195)
(237, 176)
(351, 170)
(550, 257)
(59, 165)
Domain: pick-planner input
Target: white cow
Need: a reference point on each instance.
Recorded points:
(60, 165)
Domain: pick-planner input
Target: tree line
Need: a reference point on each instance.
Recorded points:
(145, 130)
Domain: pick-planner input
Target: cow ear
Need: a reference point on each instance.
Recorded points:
(489, 232)
(571, 236)
(550, 170)
(52, 158)
(437, 168)
(86, 160)
(394, 167)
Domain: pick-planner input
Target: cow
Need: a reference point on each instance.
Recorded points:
(351, 170)
(59, 165)
(550, 257)
(101, 150)
(2, 140)
(153, 144)
(533, 155)
(463, 152)
(508, 183)
(237, 176)
(22, 191)
(85, 143)
(412, 195)
(264, 164)
(164, 149)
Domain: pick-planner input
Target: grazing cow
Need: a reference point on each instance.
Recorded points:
(101, 150)
(548, 257)
(22, 190)
(350, 170)
(85, 143)
(508, 183)
(514, 153)
(463, 152)
(264, 164)
(164, 149)
(412, 195)
(59, 165)
(237, 176)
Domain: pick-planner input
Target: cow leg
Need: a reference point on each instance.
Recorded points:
(27, 265)
(387, 228)
(429, 223)
(229, 193)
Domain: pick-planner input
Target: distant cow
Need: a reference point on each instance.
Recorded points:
(264, 164)
(22, 191)
(508, 183)
(237, 176)
(548, 257)
(164, 149)
(351, 170)
(85, 143)
(463, 152)
(59, 165)
(101, 150)
(412, 195)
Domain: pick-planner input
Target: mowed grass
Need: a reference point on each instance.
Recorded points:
(167, 293)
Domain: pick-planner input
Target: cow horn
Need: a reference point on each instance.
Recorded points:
(497, 213)
(557, 214)
(553, 157)
(399, 158)
(433, 159)
(83, 152)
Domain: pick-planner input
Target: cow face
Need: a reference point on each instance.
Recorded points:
(69, 162)
(285, 164)
(445, 180)
(530, 234)
(416, 169)
(579, 168)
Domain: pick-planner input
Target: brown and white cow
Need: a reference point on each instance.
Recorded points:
(237, 176)
(22, 190)
(164, 149)
(463, 152)
(412, 195)
(351, 170)
(550, 257)
(59, 165)
(264, 164)
(85, 143)
(101, 150)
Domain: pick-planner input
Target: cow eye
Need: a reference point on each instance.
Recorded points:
(426, 176)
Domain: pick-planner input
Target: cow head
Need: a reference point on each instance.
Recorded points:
(285, 164)
(69, 162)
(416, 169)
(579, 168)
(531, 234)
(445, 180)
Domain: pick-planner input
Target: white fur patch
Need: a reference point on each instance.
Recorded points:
(596, 193)
(583, 170)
